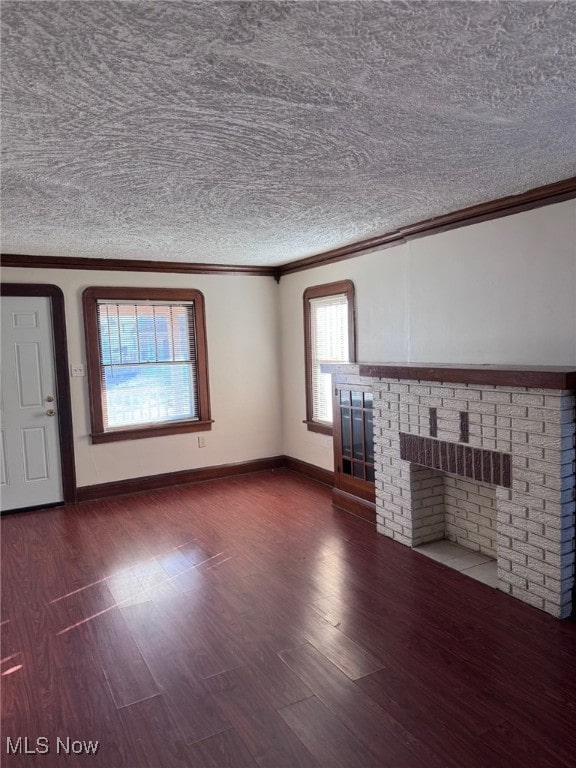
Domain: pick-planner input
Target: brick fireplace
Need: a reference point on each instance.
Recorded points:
(483, 456)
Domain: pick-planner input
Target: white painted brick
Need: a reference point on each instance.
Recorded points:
(467, 394)
(531, 426)
(551, 414)
(551, 468)
(434, 519)
(560, 483)
(527, 597)
(562, 510)
(530, 501)
(482, 407)
(496, 396)
(563, 443)
(543, 566)
(528, 476)
(563, 400)
(561, 612)
(487, 490)
(552, 546)
(510, 556)
(517, 534)
(553, 584)
(470, 507)
(533, 526)
(484, 542)
(551, 494)
(388, 397)
(426, 530)
(544, 592)
(513, 508)
(442, 391)
(515, 411)
(519, 486)
(557, 430)
(559, 560)
(512, 578)
(419, 389)
(483, 502)
(528, 399)
(486, 525)
(532, 576)
(567, 538)
(430, 401)
(528, 550)
(467, 544)
(531, 451)
(556, 457)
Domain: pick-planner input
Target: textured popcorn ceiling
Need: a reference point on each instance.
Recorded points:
(259, 133)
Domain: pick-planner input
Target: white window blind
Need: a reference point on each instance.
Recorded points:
(148, 362)
(329, 342)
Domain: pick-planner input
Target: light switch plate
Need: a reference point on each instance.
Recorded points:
(78, 370)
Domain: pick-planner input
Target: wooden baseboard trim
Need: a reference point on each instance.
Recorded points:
(169, 479)
(353, 504)
(309, 470)
(200, 475)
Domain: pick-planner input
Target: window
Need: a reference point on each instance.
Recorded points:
(329, 336)
(147, 362)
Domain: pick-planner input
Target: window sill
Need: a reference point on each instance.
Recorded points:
(135, 433)
(316, 426)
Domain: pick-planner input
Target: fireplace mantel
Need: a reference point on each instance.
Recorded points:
(532, 376)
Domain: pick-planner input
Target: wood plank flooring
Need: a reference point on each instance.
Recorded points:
(246, 623)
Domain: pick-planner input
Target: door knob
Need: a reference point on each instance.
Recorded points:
(49, 398)
(50, 412)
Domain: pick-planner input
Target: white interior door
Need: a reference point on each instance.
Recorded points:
(30, 468)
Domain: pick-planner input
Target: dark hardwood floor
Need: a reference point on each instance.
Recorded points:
(246, 622)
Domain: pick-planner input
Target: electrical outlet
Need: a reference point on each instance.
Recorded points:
(78, 370)
(201, 441)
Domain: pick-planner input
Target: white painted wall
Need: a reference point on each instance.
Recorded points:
(499, 292)
(243, 359)
(503, 291)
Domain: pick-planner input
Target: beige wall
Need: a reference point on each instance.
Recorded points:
(243, 359)
(503, 291)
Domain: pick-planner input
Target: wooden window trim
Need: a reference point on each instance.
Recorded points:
(316, 292)
(90, 298)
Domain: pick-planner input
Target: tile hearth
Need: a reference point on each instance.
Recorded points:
(474, 564)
